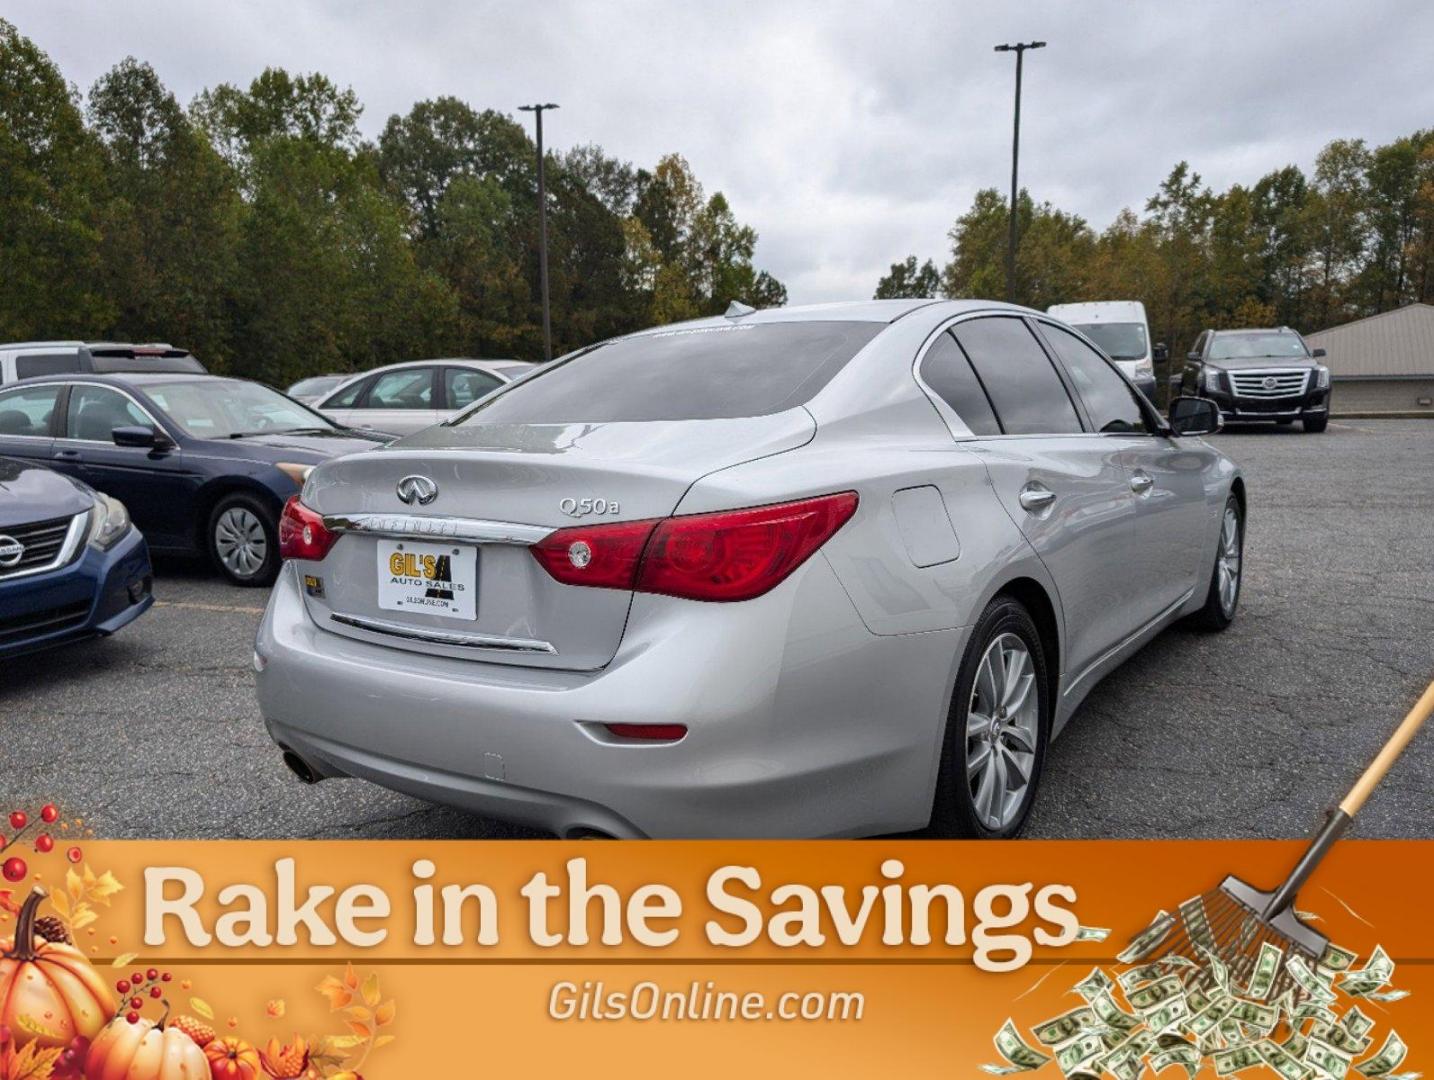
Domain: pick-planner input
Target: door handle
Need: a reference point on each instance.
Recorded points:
(1141, 482)
(67, 455)
(1034, 497)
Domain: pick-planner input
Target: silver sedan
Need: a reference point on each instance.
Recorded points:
(403, 398)
(825, 571)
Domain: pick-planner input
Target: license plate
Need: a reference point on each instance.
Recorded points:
(435, 579)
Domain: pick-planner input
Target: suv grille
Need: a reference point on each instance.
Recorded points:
(49, 621)
(43, 542)
(1289, 382)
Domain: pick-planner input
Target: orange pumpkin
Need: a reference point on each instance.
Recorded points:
(49, 993)
(144, 1051)
(232, 1058)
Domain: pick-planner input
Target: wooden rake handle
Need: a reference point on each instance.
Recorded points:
(1392, 749)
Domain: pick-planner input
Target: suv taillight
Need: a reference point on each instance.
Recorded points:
(302, 534)
(726, 556)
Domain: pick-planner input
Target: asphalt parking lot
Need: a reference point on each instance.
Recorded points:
(1250, 733)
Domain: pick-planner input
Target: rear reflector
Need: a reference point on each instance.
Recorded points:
(302, 534)
(650, 732)
(726, 556)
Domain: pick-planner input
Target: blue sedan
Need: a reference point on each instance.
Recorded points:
(204, 463)
(71, 564)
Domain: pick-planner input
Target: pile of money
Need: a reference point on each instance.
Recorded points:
(1194, 1011)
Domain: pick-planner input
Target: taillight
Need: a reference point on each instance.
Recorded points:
(302, 534)
(726, 556)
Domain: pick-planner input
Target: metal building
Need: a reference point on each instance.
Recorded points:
(1383, 363)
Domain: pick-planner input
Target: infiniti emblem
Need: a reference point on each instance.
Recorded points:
(11, 551)
(417, 489)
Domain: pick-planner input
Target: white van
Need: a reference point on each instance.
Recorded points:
(1120, 328)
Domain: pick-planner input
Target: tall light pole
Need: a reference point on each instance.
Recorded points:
(537, 111)
(1019, 48)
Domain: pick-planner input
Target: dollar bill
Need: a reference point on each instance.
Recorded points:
(1197, 923)
(1391, 1055)
(1197, 999)
(1257, 1015)
(1267, 966)
(1296, 1044)
(1235, 1059)
(1168, 1015)
(1063, 1028)
(1020, 1056)
(1281, 1060)
(1387, 995)
(1081, 1051)
(1149, 939)
(1151, 996)
(1355, 1022)
(1092, 933)
(1335, 958)
(1375, 974)
(1208, 1019)
(1184, 1055)
(1340, 1038)
(1313, 1010)
(1329, 1060)
(1308, 981)
(1094, 984)
(1217, 969)
(1112, 1015)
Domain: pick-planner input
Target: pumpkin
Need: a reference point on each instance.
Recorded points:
(231, 1058)
(144, 1050)
(49, 993)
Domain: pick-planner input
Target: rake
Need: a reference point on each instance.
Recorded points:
(1234, 921)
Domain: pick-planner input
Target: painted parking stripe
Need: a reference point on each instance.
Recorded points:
(194, 606)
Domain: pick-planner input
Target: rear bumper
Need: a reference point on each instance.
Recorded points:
(800, 721)
(100, 593)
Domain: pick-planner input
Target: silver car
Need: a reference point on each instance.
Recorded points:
(404, 398)
(824, 571)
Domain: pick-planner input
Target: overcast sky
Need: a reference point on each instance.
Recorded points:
(847, 134)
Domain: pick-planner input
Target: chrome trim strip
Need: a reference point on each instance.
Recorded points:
(422, 527)
(440, 637)
(1129, 640)
(73, 536)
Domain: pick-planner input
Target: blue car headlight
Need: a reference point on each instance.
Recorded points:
(109, 521)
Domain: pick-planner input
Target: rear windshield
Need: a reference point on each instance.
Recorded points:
(696, 373)
(1258, 344)
(1120, 340)
(163, 365)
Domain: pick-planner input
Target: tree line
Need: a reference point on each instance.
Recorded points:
(1354, 237)
(259, 229)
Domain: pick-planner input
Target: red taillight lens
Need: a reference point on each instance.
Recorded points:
(731, 555)
(604, 556)
(302, 534)
(649, 732)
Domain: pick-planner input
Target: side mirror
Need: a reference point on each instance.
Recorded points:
(1317, 353)
(1193, 356)
(1195, 416)
(1162, 351)
(140, 435)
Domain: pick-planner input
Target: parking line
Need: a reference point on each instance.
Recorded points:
(192, 605)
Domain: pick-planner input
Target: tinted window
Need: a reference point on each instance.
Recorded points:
(95, 411)
(407, 388)
(226, 408)
(947, 371)
(348, 396)
(27, 367)
(464, 386)
(1028, 395)
(28, 411)
(694, 373)
(1108, 398)
(1258, 344)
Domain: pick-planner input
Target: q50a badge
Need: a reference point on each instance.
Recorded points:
(584, 507)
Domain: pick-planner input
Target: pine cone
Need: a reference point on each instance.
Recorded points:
(52, 929)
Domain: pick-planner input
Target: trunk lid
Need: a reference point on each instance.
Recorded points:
(491, 478)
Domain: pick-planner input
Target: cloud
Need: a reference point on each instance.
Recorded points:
(849, 134)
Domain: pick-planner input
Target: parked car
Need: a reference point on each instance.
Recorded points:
(204, 463)
(71, 564)
(404, 398)
(721, 578)
(1259, 375)
(1121, 330)
(30, 359)
(315, 388)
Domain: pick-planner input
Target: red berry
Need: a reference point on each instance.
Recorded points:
(74, 854)
(49, 813)
(155, 991)
(18, 819)
(152, 974)
(122, 986)
(44, 843)
(166, 977)
(137, 978)
(14, 869)
(136, 1003)
(132, 1017)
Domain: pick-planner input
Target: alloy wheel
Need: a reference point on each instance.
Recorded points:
(1227, 563)
(1002, 729)
(240, 542)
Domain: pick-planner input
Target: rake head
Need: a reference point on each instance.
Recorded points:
(1231, 924)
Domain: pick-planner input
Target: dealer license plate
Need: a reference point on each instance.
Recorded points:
(436, 579)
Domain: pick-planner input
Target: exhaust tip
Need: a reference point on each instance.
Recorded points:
(301, 768)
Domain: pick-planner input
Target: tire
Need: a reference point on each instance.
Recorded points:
(243, 540)
(958, 810)
(1315, 424)
(1221, 605)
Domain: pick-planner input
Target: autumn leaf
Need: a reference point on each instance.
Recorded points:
(7, 902)
(202, 1007)
(338, 994)
(359, 1013)
(351, 979)
(371, 993)
(384, 1014)
(123, 959)
(33, 1063)
(335, 1043)
(276, 1008)
(61, 903)
(363, 1031)
(383, 1040)
(74, 885)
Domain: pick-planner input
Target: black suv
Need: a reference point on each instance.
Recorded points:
(29, 359)
(1258, 375)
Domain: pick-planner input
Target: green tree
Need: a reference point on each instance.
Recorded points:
(906, 280)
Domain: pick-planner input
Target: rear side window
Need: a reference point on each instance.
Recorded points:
(1109, 399)
(947, 371)
(406, 388)
(694, 373)
(27, 367)
(27, 411)
(1027, 393)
